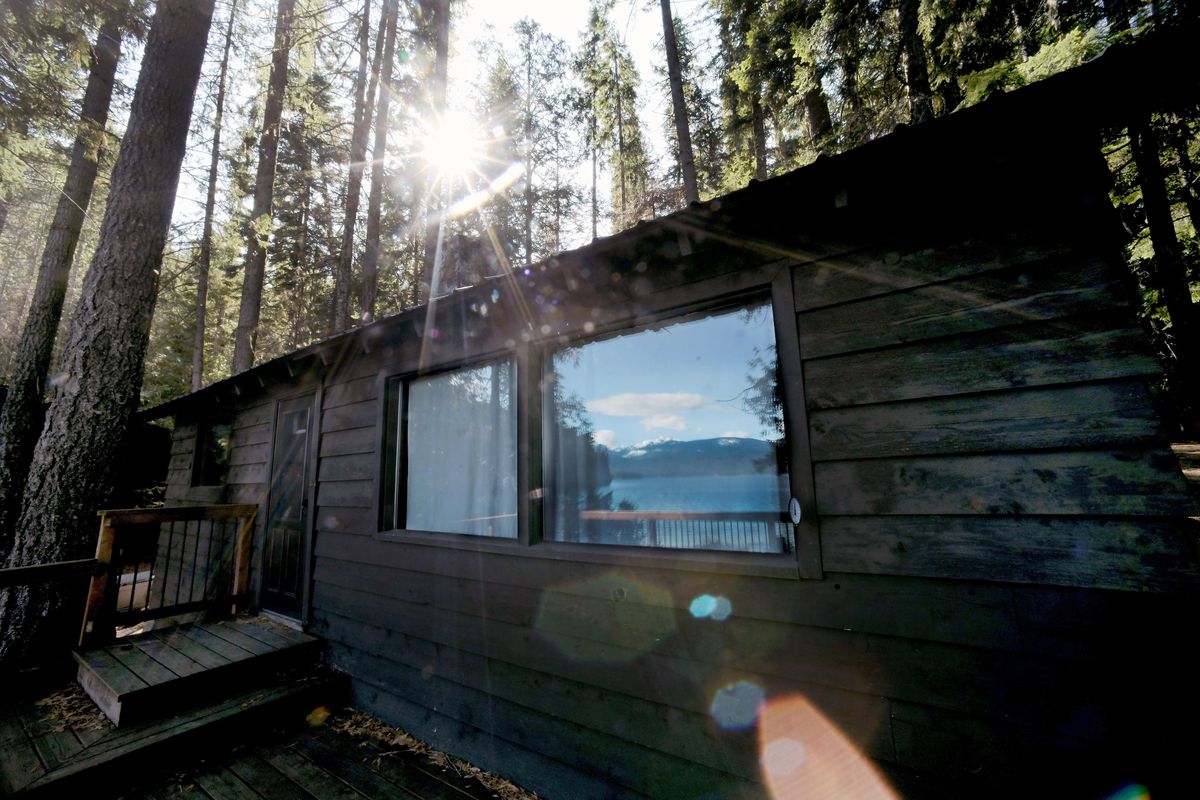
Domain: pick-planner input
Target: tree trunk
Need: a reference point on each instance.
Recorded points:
(595, 199)
(760, 138)
(622, 219)
(104, 356)
(1185, 169)
(264, 189)
(358, 156)
(375, 200)
(210, 204)
(441, 11)
(1169, 270)
(817, 119)
(916, 68)
(687, 164)
(3, 214)
(21, 417)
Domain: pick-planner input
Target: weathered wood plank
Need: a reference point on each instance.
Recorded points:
(220, 783)
(350, 771)
(19, 762)
(318, 783)
(1032, 355)
(169, 657)
(231, 633)
(685, 733)
(352, 391)
(255, 474)
(141, 664)
(218, 644)
(1084, 415)
(120, 678)
(346, 494)
(178, 640)
(679, 666)
(263, 412)
(865, 273)
(539, 773)
(357, 467)
(1123, 554)
(610, 758)
(1037, 292)
(362, 414)
(356, 440)
(251, 435)
(949, 611)
(249, 454)
(360, 521)
(1095, 482)
(265, 779)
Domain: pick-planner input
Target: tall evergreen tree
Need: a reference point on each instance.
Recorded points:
(378, 154)
(70, 472)
(21, 412)
(264, 185)
(204, 256)
(683, 134)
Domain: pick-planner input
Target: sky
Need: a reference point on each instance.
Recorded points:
(684, 381)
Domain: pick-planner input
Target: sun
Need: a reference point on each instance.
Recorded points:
(452, 146)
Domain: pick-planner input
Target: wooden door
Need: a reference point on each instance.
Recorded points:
(285, 546)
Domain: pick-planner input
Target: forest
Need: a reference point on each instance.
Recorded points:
(331, 164)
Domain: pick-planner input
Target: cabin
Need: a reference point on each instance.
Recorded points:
(853, 478)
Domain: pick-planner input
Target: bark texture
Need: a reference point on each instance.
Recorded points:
(21, 417)
(358, 157)
(375, 200)
(683, 134)
(916, 65)
(210, 204)
(105, 352)
(264, 190)
(440, 9)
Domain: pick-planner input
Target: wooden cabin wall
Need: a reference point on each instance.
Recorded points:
(1006, 570)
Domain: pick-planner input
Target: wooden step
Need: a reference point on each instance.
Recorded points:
(36, 764)
(154, 673)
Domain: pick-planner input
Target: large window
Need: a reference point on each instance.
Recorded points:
(451, 456)
(670, 436)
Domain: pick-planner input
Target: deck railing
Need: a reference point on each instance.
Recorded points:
(164, 562)
(745, 531)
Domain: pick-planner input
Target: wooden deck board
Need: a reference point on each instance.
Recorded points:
(316, 781)
(141, 664)
(169, 657)
(218, 644)
(231, 634)
(19, 762)
(180, 642)
(221, 783)
(265, 779)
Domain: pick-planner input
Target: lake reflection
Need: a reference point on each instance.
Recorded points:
(670, 436)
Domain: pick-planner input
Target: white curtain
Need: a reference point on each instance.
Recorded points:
(462, 451)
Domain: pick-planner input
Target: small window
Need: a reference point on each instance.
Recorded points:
(212, 453)
(670, 436)
(451, 452)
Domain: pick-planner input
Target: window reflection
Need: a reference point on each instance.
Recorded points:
(670, 437)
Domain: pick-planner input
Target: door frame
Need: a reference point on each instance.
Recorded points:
(310, 490)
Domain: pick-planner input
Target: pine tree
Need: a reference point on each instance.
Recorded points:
(21, 413)
(264, 183)
(103, 358)
(204, 257)
(683, 135)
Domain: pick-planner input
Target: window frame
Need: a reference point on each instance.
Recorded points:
(771, 280)
(394, 465)
(204, 430)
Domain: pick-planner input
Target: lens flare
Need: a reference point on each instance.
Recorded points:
(803, 754)
(736, 706)
(452, 146)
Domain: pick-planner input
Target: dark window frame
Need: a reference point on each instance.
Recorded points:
(200, 461)
(393, 476)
